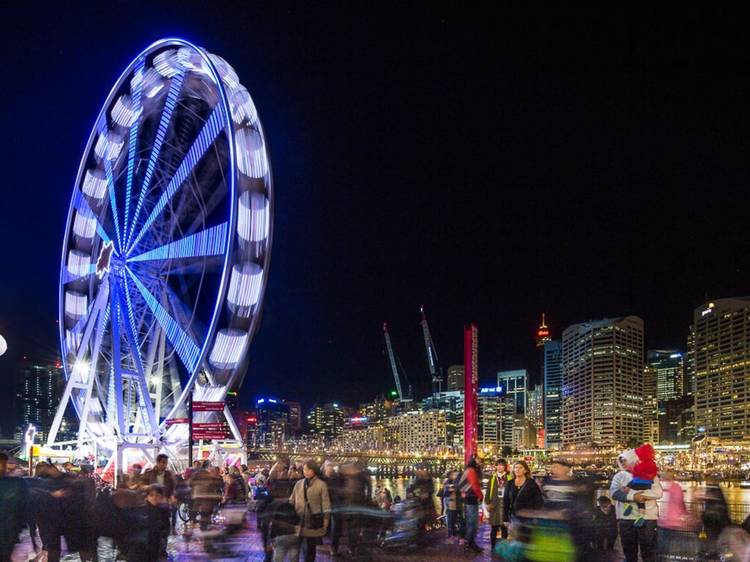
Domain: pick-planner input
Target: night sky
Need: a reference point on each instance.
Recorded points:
(489, 166)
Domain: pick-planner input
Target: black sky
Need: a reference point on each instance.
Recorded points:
(489, 165)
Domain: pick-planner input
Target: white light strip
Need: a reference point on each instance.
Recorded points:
(252, 217)
(228, 348)
(251, 153)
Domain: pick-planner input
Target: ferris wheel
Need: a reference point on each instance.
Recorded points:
(166, 250)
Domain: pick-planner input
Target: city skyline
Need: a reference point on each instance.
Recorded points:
(422, 161)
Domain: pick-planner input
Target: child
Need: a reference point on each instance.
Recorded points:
(644, 473)
(605, 525)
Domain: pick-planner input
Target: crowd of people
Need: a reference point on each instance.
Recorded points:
(556, 517)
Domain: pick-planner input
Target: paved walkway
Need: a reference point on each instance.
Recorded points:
(247, 546)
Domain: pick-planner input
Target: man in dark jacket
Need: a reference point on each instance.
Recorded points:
(160, 474)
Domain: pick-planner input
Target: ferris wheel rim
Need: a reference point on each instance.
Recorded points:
(229, 127)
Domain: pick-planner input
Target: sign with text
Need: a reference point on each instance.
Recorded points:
(177, 420)
(208, 406)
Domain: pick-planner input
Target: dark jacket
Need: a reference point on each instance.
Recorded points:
(528, 496)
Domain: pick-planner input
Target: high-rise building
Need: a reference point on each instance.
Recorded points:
(515, 385)
(272, 422)
(689, 384)
(650, 404)
(603, 382)
(722, 368)
(675, 420)
(669, 369)
(535, 412)
(326, 420)
(489, 417)
(553, 394)
(37, 394)
(295, 416)
(542, 334)
(455, 378)
(508, 422)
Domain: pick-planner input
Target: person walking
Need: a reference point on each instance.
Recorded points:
(493, 501)
(521, 493)
(471, 492)
(161, 475)
(450, 504)
(635, 538)
(676, 528)
(313, 505)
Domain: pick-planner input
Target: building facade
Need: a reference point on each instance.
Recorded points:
(515, 385)
(326, 420)
(721, 354)
(418, 431)
(552, 394)
(272, 423)
(455, 378)
(489, 431)
(669, 368)
(650, 405)
(603, 382)
(38, 390)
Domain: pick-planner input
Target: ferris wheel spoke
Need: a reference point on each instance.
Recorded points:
(211, 129)
(187, 350)
(169, 106)
(89, 322)
(209, 242)
(136, 96)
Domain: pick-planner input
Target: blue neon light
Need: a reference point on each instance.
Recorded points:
(111, 184)
(185, 347)
(213, 126)
(209, 242)
(166, 116)
(136, 98)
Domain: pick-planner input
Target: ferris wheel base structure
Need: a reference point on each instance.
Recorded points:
(165, 258)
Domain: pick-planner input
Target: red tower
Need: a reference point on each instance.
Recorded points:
(542, 334)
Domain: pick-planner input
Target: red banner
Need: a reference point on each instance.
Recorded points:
(210, 425)
(177, 420)
(208, 406)
(471, 384)
(210, 435)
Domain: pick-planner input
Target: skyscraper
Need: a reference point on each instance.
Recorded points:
(489, 434)
(542, 334)
(553, 394)
(689, 384)
(515, 386)
(455, 377)
(603, 382)
(722, 368)
(272, 422)
(668, 367)
(326, 420)
(535, 411)
(36, 397)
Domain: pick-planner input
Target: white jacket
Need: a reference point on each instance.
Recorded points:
(651, 510)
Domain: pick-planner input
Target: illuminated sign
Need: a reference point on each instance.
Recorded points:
(491, 390)
(361, 419)
(708, 310)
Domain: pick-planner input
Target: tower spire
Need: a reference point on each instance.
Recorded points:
(542, 333)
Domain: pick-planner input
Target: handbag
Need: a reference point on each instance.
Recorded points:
(316, 519)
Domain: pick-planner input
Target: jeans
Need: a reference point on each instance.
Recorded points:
(471, 512)
(286, 547)
(638, 538)
(309, 547)
(450, 521)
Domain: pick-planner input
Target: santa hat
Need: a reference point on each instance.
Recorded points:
(646, 452)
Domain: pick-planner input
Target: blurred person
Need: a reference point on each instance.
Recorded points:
(605, 526)
(450, 503)
(313, 505)
(284, 532)
(471, 493)
(384, 499)
(197, 466)
(207, 492)
(13, 504)
(522, 494)
(159, 525)
(335, 483)
(568, 501)
(715, 515)
(676, 528)
(278, 487)
(161, 475)
(635, 539)
(356, 494)
(493, 501)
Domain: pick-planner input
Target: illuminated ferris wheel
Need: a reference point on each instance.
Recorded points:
(166, 250)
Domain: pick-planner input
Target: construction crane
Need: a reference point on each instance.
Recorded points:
(432, 356)
(392, 359)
